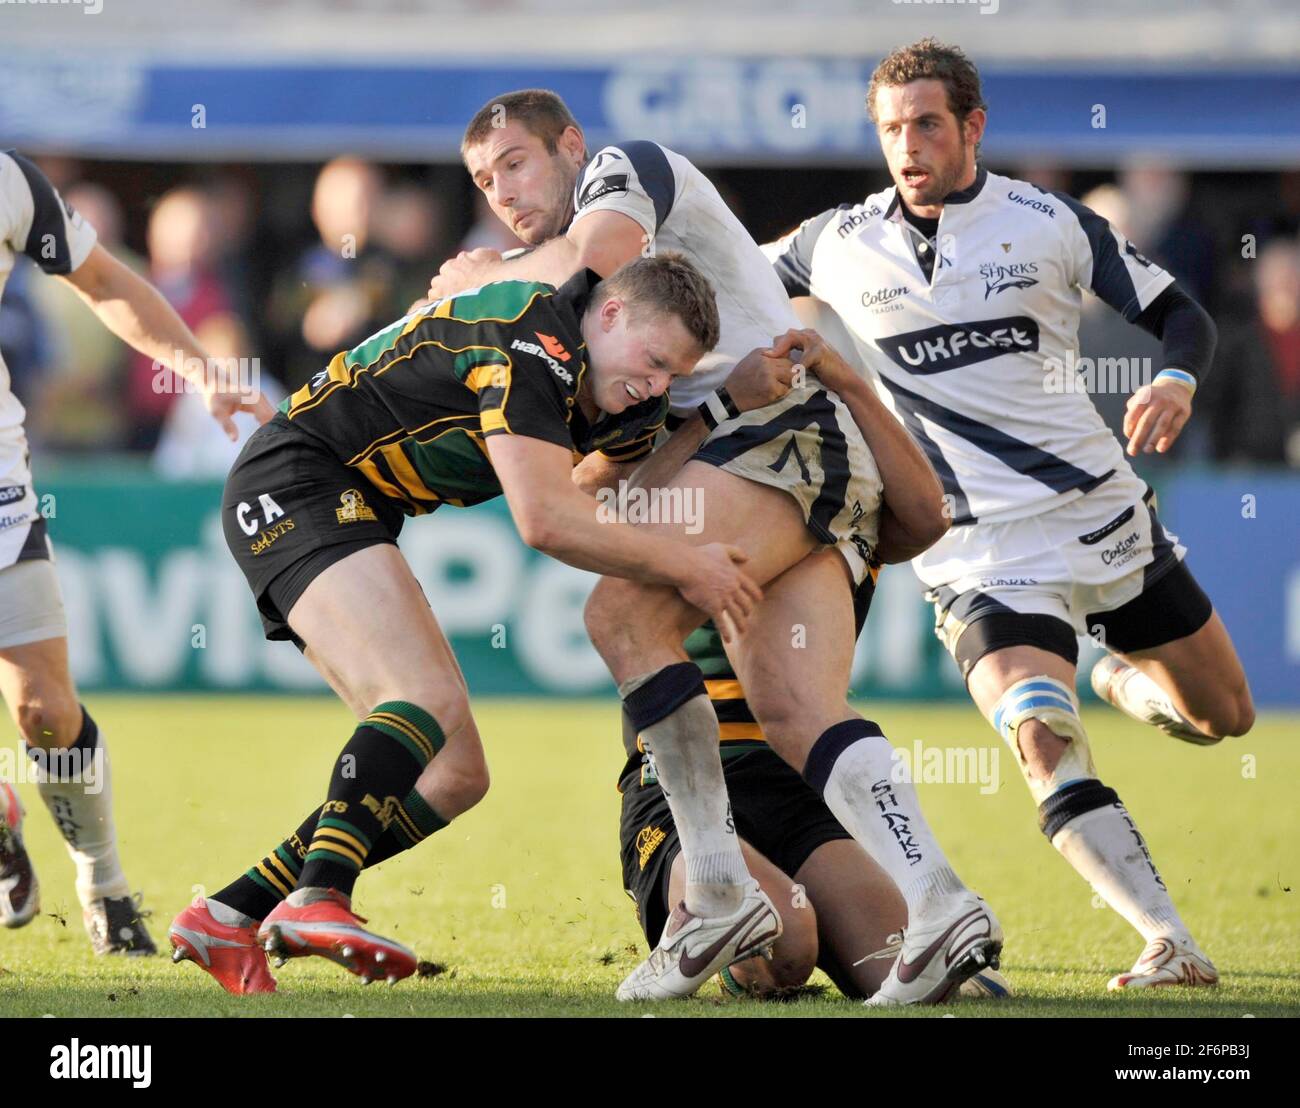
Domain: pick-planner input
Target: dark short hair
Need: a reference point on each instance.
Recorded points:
(540, 110)
(667, 282)
(930, 59)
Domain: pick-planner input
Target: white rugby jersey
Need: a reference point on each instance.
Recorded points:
(679, 209)
(35, 221)
(964, 357)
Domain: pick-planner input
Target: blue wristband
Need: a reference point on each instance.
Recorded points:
(1179, 375)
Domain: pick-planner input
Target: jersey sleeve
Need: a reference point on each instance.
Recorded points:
(525, 379)
(1103, 261)
(634, 179)
(36, 221)
(792, 255)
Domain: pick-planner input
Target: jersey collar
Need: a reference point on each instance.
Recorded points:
(960, 196)
(575, 294)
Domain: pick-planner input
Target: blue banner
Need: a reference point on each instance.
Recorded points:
(716, 109)
(1242, 531)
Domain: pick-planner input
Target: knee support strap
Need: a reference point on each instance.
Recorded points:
(1053, 704)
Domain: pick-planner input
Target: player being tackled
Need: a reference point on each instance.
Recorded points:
(486, 393)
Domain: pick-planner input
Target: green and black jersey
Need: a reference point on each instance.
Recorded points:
(410, 407)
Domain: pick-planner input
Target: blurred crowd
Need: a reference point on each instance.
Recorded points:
(290, 264)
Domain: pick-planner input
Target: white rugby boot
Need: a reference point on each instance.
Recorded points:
(986, 984)
(692, 948)
(20, 892)
(1167, 961)
(940, 952)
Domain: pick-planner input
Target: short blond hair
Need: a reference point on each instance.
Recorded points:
(669, 283)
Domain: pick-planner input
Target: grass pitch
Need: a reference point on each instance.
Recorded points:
(520, 901)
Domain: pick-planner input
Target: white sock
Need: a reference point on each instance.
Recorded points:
(884, 815)
(684, 746)
(76, 786)
(1106, 848)
(1137, 695)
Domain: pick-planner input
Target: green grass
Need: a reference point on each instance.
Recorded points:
(205, 786)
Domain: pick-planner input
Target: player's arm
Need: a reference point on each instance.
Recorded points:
(913, 517)
(1105, 262)
(603, 241)
(757, 380)
(137, 313)
(556, 518)
(1156, 413)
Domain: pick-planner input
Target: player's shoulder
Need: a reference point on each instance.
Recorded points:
(841, 223)
(1049, 210)
(651, 162)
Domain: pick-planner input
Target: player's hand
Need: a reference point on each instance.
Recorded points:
(223, 405)
(1155, 416)
(807, 348)
(758, 380)
(467, 270)
(713, 581)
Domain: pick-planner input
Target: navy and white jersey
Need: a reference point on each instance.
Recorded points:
(679, 209)
(36, 222)
(973, 360)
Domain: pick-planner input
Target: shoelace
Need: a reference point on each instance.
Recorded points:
(893, 945)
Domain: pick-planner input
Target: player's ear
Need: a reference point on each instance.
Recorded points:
(610, 311)
(573, 145)
(973, 128)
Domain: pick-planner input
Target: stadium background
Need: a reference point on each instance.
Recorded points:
(193, 135)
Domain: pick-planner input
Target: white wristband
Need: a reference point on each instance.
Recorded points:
(1180, 375)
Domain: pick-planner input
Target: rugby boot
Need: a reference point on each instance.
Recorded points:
(231, 955)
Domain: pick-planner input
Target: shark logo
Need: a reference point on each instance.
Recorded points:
(998, 277)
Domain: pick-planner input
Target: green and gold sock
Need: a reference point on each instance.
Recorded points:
(263, 886)
(378, 767)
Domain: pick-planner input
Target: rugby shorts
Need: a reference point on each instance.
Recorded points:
(290, 510)
(1101, 566)
(775, 811)
(807, 445)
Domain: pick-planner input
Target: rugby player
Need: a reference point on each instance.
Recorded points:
(486, 393)
(69, 752)
(962, 291)
(798, 486)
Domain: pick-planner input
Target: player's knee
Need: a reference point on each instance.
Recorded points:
(463, 786)
(1038, 717)
(1234, 714)
(614, 620)
(1040, 747)
(48, 718)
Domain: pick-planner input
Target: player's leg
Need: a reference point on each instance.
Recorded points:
(858, 910)
(1171, 662)
(1027, 693)
(793, 955)
(365, 618)
(1174, 665)
(794, 663)
(69, 755)
(639, 630)
(460, 781)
